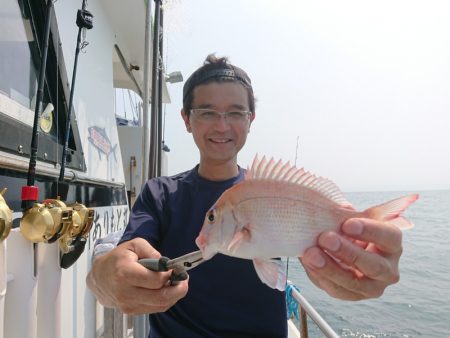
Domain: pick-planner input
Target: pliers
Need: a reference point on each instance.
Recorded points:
(179, 265)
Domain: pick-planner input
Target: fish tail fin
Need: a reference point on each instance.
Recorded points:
(272, 272)
(390, 211)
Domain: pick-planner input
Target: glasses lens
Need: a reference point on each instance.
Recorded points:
(236, 115)
(208, 115)
(205, 115)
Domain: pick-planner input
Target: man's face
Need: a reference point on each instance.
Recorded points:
(219, 141)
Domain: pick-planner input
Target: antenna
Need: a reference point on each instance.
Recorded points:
(296, 152)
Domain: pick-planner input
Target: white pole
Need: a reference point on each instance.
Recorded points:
(3, 283)
(140, 322)
(146, 94)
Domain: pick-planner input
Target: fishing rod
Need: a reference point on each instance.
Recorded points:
(77, 244)
(84, 21)
(30, 192)
(160, 91)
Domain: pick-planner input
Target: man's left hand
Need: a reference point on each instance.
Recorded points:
(358, 263)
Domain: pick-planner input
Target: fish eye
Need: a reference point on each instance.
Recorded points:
(211, 216)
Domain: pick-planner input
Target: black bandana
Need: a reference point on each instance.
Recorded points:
(200, 76)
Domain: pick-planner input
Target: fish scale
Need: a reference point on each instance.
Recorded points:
(292, 223)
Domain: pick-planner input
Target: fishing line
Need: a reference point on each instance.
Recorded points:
(166, 45)
(57, 104)
(132, 103)
(135, 108)
(115, 101)
(295, 164)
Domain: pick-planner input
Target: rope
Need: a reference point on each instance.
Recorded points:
(123, 101)
(291, 303)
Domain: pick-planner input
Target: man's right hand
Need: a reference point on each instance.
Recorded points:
(119, 281)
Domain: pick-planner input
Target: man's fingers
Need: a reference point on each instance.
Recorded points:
(387, 238)
(358, 263)
(333, 289)
(371, 264)
(338, 281)
(141, 248)
(130, 272)
(141, 300)
(140, 276)
(120, 281)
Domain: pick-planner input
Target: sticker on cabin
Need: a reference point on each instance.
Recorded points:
(101, 141)
(108, 220)
(46, 119)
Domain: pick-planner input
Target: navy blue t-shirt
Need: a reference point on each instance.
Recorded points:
(225, 297)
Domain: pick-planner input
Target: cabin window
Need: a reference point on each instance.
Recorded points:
(21, 28)
(18, 69)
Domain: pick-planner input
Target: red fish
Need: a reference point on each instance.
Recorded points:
(278, 211)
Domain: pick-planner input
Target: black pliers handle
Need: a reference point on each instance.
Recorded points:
(179, 266)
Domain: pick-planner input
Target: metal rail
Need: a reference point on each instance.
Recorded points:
(307, 308)
(21, 164)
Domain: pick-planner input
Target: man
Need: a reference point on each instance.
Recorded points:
(225, 297)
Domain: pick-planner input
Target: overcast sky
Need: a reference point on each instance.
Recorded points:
(365, 85)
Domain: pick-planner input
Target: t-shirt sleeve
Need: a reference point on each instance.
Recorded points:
(146, 216)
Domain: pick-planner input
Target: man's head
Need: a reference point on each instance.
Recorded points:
(216, 70)
(218, 109)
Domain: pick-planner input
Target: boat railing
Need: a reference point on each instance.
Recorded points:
(306, 309)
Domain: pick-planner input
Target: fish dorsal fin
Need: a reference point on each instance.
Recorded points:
(262, 169)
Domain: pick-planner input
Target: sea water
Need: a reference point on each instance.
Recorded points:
(418, 305)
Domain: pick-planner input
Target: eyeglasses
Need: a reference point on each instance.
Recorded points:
(207, 115)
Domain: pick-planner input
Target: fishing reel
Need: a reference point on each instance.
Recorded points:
(83, 218)
(45, 222)
(53, 220)
(76, 242)
(5, 217)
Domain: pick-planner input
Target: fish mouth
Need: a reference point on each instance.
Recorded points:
(201, 241)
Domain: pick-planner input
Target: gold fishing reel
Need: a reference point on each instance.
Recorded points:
(83, 218)
(46, 222)
(87, 218)
(5, 217)
(53, 220)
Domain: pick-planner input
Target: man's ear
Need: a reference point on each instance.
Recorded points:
(187, 123)
(252, 117)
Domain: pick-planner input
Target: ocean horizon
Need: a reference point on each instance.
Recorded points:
(419, 304)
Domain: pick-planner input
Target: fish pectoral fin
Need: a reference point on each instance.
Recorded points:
(272, 272)
(239, 237)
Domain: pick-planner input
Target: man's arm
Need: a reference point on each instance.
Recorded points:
(366, 259)
(118, 281)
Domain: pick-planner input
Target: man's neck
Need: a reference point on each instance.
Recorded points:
(218, 171)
